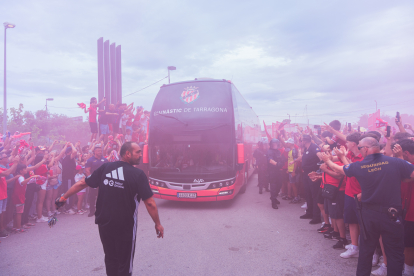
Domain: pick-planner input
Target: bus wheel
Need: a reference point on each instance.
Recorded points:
(243, 188)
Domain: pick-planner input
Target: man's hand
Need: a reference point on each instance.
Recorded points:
(398, 152)
(359, 196)
(59, 203)
(16, 159)
(314, 176)
(159, 230)
(324, 157)
(324, 167)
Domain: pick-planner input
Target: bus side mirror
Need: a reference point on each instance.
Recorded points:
(145, 154)
(240, 153)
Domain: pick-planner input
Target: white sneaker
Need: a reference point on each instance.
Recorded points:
(70, 212)
(304, 206)
(375, 259)
(381, 271)
(42, 219)
(381, 260)
(350, 253)
(348, 246)
(49, 214)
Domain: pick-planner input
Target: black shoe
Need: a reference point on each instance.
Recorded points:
(274, 205)
(260, 191)
(277, 201)
(306, 216)
(326, 228)
(340, 244)
(331, 236)
(91, 214)
(315, 221)
(267, 190)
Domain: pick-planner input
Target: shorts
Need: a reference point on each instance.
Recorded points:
(408, 233)
(53, 187)
(94, 127)
(350, 210)
(104, 129)
(293, 179)
(81, 192)
(43, 186)
(3, 204)
(321, 199)
(336, 209)
(19, 208)
(115, 127)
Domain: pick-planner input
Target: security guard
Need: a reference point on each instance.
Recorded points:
(121, 188)
(275, 162)
(380, 178)
(261, 164)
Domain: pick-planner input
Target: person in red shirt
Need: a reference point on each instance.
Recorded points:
(406, 152)
(92, 117)
(19, 196)
(3, 193)
(352, 188)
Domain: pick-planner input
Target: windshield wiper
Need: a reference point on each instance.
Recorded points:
(172, 117)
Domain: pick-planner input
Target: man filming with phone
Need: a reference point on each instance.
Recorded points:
(121, 188)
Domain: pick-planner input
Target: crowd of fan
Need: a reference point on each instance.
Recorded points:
(32, 177)
(301, 172)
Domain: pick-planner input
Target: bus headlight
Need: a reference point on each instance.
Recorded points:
(228, 192)
(221, 184)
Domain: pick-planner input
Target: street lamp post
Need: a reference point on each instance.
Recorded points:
(6, 26)
(48, 99)
(170, 68)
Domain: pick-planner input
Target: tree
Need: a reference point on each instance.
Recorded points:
(46, 127)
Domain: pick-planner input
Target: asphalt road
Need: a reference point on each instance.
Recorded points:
(244, 236)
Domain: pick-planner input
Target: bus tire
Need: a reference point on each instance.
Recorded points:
(243, 188)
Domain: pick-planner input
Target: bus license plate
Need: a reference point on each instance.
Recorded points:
(187, 195)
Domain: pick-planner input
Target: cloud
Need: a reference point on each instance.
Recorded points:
(334, 58)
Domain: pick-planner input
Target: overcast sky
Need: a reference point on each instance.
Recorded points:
(333, 57)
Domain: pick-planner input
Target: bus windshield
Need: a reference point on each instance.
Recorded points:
(192, 157)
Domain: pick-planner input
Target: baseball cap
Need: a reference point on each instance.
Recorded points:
(68, 149)
(306, 137)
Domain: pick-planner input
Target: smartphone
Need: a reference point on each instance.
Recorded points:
(405, 125)
(388, 131)
(398, 117)
(316, 126)
(349, 127)
(359, 129)
(319, 131)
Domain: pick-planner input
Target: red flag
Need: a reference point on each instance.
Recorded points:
(380, 123)
(82, 105)
(267, 133)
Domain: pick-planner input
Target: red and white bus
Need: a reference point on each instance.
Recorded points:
(202, 135)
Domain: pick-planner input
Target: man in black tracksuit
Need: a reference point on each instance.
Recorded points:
(121, 188)
(275, 162)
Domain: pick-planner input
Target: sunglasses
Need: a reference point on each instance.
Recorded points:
(359, 148)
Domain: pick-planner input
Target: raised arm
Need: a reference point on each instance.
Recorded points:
(331, 164)
(38, 164)
(338, 134)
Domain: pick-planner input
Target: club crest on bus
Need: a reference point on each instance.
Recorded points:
(190, 94)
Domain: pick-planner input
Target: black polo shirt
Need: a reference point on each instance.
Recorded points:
(380, 178)
(275, 155)
(121, 188)
(310, 159)
(95, 163)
